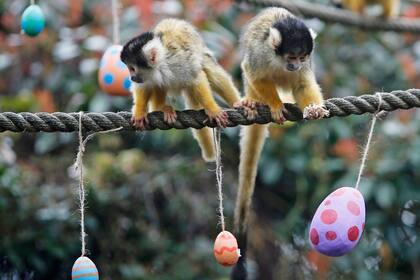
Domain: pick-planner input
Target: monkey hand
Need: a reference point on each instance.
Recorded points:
(313, 112)
(277, 115)
(139, 119)
(220, 117)
(249, 106)
(169, 114)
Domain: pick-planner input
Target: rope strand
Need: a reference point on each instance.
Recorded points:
(345, 17)
(82, 193)
(79, 167)
(116, 21)
(219, 174)
(94, 122)
(367, 146)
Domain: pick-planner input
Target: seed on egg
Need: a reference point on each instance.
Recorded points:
(338, 223)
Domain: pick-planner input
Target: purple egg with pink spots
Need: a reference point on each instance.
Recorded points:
(338, 222)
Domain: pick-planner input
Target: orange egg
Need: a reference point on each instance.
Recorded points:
(113, 76)
(226, 249)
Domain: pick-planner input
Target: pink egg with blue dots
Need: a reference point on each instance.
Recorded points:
(113, 76)
(338, 222)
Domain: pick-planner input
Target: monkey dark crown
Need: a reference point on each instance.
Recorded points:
(132, 51)
(296, 38)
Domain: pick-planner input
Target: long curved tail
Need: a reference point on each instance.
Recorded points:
(251, 144)
(203, 136)
(220, 81)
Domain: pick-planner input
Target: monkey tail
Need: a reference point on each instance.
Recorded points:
(251, 144)
(220, 81)
(204, 138)
(222, 84)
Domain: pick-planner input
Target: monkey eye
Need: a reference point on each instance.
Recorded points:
(302, 58)
(131, 68)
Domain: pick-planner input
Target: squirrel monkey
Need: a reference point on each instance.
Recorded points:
(172, 58)
(390, 8)
(277, 59)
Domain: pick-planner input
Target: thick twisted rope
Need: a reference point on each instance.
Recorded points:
(93, 122)
(331, 14)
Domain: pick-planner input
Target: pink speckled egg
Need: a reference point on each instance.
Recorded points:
(338, 222)
(113, 76)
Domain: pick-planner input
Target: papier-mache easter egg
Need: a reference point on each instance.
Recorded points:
(84, 269)
(33, 20)
(226, 249)
(113, 76)
(338, 222)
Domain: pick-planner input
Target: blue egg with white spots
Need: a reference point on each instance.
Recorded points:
(33, 20)
(84, 269)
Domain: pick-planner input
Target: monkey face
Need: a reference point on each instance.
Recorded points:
(141, 55)
(135, 74)
(295, 62)
(292, 42)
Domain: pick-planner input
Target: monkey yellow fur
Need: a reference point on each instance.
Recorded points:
(277, 59)
(170, 59)
(390, 8)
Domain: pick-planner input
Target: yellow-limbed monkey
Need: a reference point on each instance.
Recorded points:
(172, 58)
(390, 8)
(277, 58)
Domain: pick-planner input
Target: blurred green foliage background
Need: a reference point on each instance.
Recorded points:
(152, 200)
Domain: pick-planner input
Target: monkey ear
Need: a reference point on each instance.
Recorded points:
(313, 34)
(274, 38)
(151, 55)
(151, 51)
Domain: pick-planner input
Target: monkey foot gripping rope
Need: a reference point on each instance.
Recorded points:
(94, 122)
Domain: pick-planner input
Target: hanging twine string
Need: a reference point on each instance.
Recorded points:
(78, 166)
(219, 174)
(366, 149)
(116, 21)
(82, 193)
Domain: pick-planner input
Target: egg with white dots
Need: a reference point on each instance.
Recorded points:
(84, 269)
(338, 223)
(114, 77)
(32, 21)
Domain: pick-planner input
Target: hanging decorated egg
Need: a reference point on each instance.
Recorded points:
(33, 20)
(226, 249)
(113, 76)
(338, 222)
(84, 269)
